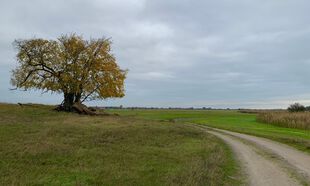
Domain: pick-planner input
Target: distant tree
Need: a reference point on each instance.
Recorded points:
(79, 69)
(307, 108)
(296, 107)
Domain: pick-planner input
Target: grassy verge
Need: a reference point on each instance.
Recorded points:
(42, 147)
(229, 120)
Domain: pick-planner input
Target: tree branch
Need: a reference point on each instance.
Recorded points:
(90, 94)
(28, 75)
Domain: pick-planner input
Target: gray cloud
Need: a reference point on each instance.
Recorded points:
(179, 52)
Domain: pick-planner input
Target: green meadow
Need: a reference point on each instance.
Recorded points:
(39, 146)
(229, 120)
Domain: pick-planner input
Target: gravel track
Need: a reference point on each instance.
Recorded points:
(292, 169)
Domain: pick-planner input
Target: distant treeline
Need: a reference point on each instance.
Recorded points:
(242, 110)
(161, 108)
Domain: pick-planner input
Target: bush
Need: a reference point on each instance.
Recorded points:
(296, 107)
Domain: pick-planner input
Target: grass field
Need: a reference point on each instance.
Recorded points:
(230, 120)
(39, 146)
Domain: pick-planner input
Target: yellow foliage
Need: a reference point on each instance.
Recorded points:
(70, 65)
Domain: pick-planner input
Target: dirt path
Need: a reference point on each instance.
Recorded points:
(296, 159)
(261, 169)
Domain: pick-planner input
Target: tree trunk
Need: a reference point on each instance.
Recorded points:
(68, 102)
(77, 98)
(72, 103)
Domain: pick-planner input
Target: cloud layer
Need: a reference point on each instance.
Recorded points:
(179, 52)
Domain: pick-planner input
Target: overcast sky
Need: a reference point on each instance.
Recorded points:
(218, 53)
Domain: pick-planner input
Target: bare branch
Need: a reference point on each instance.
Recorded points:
(85, 98)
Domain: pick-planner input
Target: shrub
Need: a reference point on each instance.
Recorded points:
(296, 107)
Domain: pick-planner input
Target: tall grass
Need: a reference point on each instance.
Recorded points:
(298, 120)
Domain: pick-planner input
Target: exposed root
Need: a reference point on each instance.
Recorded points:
(82, 109)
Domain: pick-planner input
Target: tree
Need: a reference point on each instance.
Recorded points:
(296, 107)
(79, 69)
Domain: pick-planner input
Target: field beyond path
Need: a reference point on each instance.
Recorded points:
(231, 120)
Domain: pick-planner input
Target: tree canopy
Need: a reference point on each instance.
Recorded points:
(80, 69)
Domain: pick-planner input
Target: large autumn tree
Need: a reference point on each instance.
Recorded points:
(79, 69)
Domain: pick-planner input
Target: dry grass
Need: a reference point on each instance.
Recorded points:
(299, 120)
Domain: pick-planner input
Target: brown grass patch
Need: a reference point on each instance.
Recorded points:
(299, 120)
